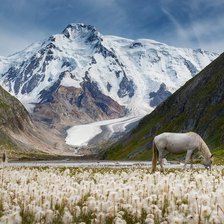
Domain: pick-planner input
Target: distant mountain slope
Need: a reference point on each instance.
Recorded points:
(82, 76)
(14, 119)
(197, 106)
(13, 115)
(20, 137)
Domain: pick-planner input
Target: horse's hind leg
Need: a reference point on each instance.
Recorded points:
(161, 160)
(188, 158)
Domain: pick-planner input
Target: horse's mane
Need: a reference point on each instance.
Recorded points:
(204, 149)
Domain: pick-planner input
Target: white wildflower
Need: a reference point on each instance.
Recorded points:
(118, 220)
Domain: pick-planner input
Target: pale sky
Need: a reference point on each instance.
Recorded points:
(181, 23)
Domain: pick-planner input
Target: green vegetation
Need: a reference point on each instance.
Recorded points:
(3, 105)
(27, 217)
(13, 119)
(218, 156)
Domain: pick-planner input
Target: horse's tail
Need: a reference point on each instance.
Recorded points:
(154, 156)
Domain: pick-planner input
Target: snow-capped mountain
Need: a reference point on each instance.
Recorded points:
(83, 75)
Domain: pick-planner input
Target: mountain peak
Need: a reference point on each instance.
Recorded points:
(80, 27)
(130, 72)
(81, 30)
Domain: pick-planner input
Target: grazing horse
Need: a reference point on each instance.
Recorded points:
(178, 143)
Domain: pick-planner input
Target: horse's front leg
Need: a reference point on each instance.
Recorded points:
(188, 158)
(191, 160)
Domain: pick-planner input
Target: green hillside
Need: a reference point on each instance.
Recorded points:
(14, 121)
(13, 115)
(197, 106)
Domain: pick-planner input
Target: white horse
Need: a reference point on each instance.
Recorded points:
(178, 143)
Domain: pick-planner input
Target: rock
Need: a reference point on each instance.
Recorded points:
(126, 88)
(158, 97)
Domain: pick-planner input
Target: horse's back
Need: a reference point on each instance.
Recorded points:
(177, 142)
(173, 135)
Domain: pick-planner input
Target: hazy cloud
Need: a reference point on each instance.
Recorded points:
(193, 23)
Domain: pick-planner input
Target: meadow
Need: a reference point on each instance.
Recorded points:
(111, 195)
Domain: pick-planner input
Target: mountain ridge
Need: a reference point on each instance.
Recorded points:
(123, 69)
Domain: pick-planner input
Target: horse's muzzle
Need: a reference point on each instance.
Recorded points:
(208, 167)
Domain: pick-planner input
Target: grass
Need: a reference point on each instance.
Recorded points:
(132, 219)
(3, 105)
(15, 153)
(27, 217)
(218, 156)
(1, 206)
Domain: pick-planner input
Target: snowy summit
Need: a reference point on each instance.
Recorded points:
(133, 74)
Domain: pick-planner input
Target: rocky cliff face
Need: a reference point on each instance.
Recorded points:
(81, 75)
(83, 104)
(197, 106)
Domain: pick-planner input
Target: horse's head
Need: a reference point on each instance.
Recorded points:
(208, 162)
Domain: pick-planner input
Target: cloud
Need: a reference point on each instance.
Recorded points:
(179, 29)
(180, 23)
(16, 41)
(203, 25)
(25, 21)
(210, 33)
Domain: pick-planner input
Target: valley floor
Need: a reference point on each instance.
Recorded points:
(101, 164)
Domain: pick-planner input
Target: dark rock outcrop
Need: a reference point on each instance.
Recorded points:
(76, 105)
(193, 70)
(158, 97)
(136, 45)
(126, 88)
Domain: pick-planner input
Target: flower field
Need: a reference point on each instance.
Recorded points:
(111, 195)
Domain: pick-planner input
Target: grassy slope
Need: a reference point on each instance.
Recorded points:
(197, 106)
(14, 118)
